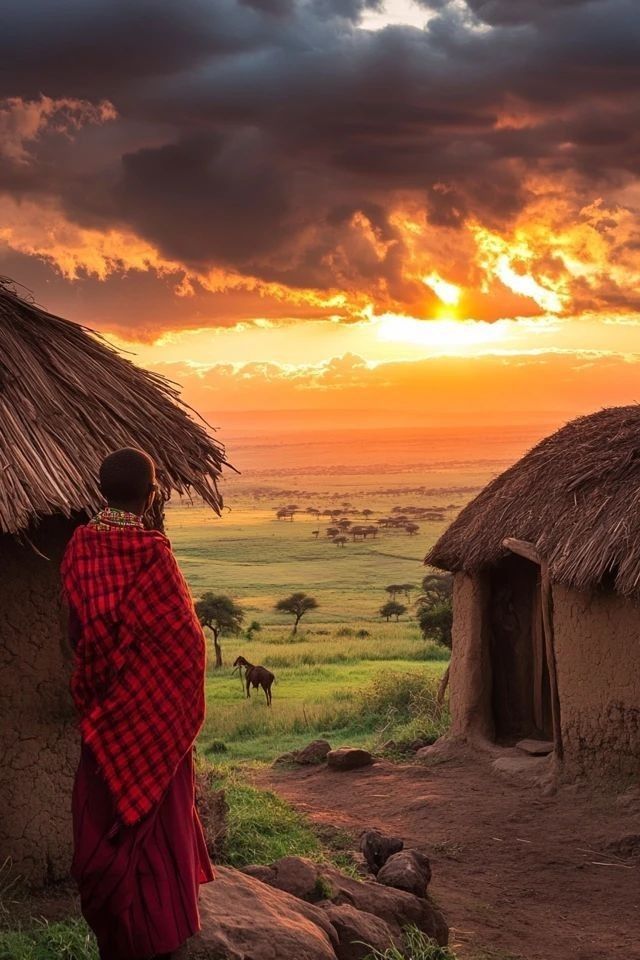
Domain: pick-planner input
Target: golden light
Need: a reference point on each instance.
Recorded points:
(447, 292)
(446, 336)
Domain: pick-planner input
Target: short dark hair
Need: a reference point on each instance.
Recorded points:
(126, 477)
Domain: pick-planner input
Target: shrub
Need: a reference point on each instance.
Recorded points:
(362, 634)
(344, 632)
(417, 946)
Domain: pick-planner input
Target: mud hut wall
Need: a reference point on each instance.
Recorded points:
(597, 642)
(470, 676)
(38, 747)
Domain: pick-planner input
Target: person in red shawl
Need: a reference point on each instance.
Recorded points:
(138, 687)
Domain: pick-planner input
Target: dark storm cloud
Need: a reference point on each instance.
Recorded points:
(251, 132)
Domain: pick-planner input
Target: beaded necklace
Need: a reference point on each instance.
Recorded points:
(111, 518)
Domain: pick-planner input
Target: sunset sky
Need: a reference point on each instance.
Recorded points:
(412, 208)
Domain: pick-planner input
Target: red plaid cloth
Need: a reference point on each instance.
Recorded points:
(138, 679)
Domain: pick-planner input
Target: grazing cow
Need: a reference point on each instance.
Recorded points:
(256, 677)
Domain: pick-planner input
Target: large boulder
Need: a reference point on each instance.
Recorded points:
(358, 932)
(377, 848)
(244, 919)
(349, 758)
(408, 870)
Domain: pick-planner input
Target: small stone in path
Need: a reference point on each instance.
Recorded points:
(377, 848)
(408, 870)
(349, 758)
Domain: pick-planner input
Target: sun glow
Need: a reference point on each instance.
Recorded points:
(446, 336)
(447, 292)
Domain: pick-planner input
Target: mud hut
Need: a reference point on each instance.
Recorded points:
(66, 400)
(546, 634)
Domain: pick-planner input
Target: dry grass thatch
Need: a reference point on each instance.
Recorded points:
(576, 496)
(66, 400)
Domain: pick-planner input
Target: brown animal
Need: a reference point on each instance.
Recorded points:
(255, 677)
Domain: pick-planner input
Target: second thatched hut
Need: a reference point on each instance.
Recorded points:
(546, 634)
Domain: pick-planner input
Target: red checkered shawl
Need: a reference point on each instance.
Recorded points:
(138, 679)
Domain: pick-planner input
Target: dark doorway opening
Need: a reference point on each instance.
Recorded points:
(521, 688)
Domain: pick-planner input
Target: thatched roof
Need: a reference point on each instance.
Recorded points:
(576, 496)
(66, 400)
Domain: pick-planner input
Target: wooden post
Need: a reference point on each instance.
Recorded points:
(530, 552)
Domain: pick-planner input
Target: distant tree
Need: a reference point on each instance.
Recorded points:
(340, 541)
(436, 588)
(315, 533)
(221, 615)
(412, 529)
(436, 622)
(297, 604)
(394, 589)
(373, 531)
(367, 513)
(392, 609)
(407, 588)
(344, 524)
(254, 627)
(332, 531)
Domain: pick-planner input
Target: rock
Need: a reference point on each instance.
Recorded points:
(297, 876)
(284, 758)
(377, 848)
(314, 752)
(536, 748)
(396, 907)
(243, 919)
(408, 870)
(264, 874)
(388, 746)
(358, 932)
(322, 882)
(416, 745)
(349, 758)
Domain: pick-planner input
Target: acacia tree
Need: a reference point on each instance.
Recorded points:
(394, 589)
(435, 615)
(222, 616)
(392, 609)
(297, 604)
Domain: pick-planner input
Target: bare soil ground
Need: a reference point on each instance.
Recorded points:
(517, 874)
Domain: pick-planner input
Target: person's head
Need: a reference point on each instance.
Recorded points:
(128, 480)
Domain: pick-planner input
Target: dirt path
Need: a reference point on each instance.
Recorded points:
(517, 874)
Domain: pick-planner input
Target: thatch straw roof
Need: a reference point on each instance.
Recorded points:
(66, 400)
(576, 496)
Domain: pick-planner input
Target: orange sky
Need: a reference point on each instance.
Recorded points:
(418, 221)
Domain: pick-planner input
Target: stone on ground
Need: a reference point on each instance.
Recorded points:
(244, 919)
(408, 870)
(314, 752)
(377, 848)
(349, 758)
(358, 932)
(521, 766)
(535, 748)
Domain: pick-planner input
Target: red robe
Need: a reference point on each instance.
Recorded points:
(138, 685)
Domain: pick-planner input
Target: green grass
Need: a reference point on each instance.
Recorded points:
(417, 946)
(263, 827)
(65, 940)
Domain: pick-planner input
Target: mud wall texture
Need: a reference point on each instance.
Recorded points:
(38, 746)
(470, 678)
(597, 642)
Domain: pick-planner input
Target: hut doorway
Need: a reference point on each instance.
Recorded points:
(521, 688)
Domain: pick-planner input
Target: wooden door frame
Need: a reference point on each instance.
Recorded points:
(528, 550)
